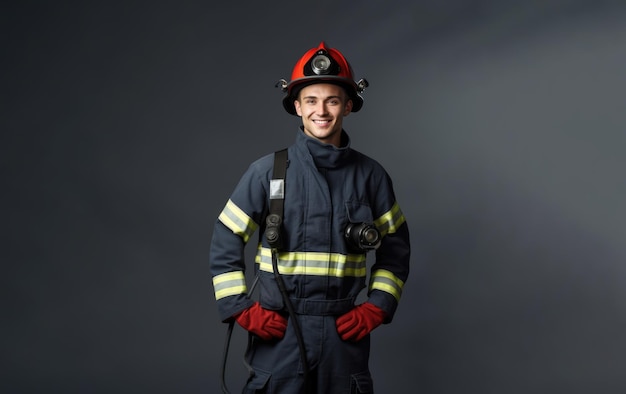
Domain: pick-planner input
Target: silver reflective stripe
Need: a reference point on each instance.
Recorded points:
(238, 221)
(386, 281)
(228, 284)
(314, 263)
(389, 222)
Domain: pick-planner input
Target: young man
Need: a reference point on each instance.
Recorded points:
(308, 336)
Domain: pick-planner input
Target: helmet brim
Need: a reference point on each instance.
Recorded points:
(295, 87)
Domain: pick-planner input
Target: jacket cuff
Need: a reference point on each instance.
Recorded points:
(231, 306)
(384, 301)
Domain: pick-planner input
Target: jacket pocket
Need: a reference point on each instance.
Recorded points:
(257, 383)
(359, 212)
(269, 292)
(361, 383)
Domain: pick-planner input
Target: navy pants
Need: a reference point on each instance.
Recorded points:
(336, 366)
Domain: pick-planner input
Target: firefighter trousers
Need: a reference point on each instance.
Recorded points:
(335, 366)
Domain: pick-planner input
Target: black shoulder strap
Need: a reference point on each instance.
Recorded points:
(277, 199)
(273, 235)
(280, 164)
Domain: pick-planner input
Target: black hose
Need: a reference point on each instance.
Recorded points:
(229, 333)
(292, 315)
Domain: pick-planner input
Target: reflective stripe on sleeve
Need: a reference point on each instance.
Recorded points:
(313, 263)
(238, 221)
(228, 284)
(386, 281)
(389, 222)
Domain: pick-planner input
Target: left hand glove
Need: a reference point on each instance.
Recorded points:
(265, 323)
(360, 321)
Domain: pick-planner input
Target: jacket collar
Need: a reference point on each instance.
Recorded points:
(326, 155)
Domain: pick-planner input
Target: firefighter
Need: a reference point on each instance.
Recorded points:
(339, 204)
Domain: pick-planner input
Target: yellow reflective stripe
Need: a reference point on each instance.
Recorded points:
(238, 221)
(386, 281)
(228, 284)
(389, 222)
(313, 263)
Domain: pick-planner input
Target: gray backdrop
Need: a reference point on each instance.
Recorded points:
(126, 126)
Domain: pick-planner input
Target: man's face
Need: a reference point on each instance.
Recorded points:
(322, 107)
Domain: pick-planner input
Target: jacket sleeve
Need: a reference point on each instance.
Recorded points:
(391, 268)
(234, 227)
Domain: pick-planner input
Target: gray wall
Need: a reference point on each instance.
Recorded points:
(126, 126)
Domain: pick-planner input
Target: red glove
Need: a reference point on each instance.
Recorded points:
(360, 321)
(262, 322)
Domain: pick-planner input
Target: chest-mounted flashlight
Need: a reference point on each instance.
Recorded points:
(362, 237)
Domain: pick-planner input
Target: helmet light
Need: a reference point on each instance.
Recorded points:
(320, 64)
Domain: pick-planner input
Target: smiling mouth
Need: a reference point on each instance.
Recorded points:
(322, 122)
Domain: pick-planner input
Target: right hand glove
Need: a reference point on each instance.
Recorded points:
(262, 322)
(360, 321)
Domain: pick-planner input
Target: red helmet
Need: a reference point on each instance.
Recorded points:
(322, 65)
